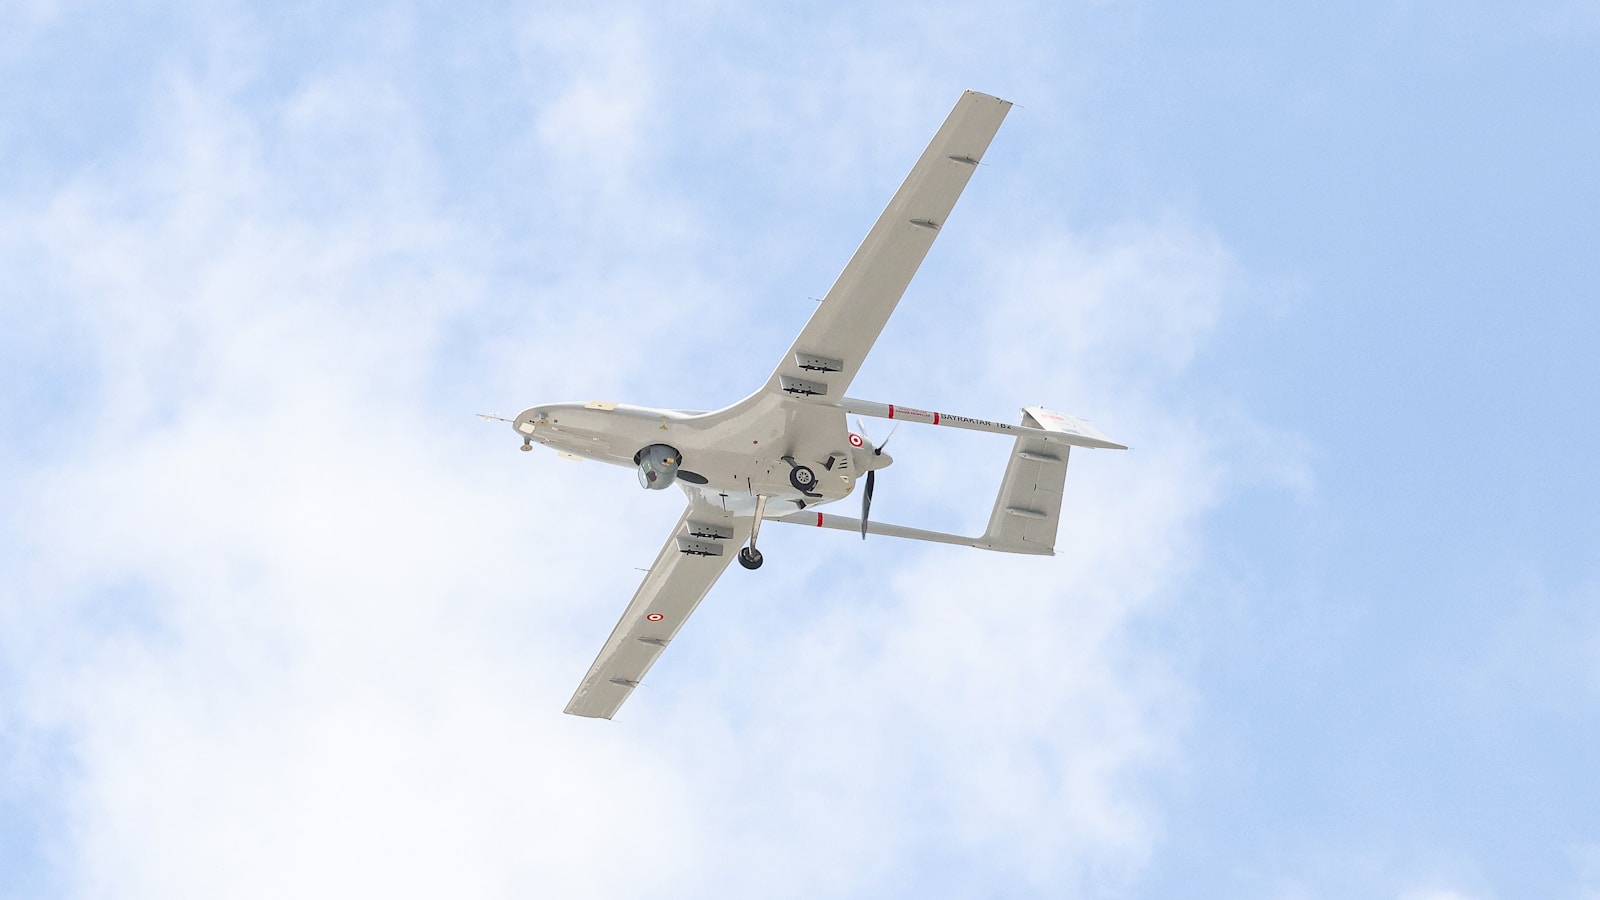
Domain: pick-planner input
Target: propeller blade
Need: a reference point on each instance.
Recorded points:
(866, 502)
(878, 450)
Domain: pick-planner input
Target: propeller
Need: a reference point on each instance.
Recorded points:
(872, 474)
(866, 501)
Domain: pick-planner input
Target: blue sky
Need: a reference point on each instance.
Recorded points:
(278, 616)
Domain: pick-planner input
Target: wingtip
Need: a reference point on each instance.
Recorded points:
(980, 94)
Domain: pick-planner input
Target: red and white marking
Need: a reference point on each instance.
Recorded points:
(855, 440)
(915, 415)
(655, 617)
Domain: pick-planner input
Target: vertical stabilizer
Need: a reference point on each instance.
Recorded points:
(1028, 510)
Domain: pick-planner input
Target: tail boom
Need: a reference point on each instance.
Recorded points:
(1040, 423)
(846, 523)
(1027, 511)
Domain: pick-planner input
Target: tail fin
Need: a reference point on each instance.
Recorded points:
(1028, 510)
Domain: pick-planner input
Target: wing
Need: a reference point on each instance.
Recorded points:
(832, 346)
(699, 548)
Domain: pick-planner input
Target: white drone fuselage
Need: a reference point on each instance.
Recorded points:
(730, 456)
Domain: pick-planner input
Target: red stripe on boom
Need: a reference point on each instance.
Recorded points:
(935, 418)
(819, 520)
(891, 410)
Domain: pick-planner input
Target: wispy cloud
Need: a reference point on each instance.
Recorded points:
(286, 620)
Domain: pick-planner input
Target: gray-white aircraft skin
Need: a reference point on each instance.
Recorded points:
(786, 450)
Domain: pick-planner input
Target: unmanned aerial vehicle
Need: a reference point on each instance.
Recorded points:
(786, 451)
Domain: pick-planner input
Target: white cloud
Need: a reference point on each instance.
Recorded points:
(1437, 893)
(20, 19)
(304, 627)
(593, 77)
(1585, 860)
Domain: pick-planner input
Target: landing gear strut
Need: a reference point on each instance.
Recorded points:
(750, 557)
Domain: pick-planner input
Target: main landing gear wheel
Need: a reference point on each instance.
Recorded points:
(750, 558)
(802, 478)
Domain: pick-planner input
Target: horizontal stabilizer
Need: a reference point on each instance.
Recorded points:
(1061, 423)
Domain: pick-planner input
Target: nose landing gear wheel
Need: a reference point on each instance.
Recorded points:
(750, 558)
